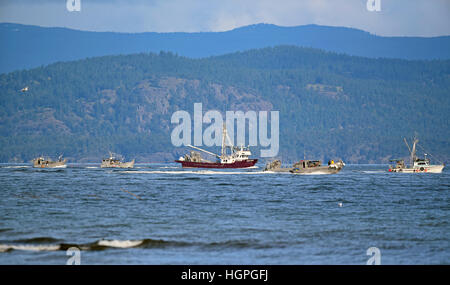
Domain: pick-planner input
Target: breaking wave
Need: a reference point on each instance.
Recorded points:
(373, 171)
(103, 244)
(17, 166)
(120, 243)
(6, 248)
(98, 245)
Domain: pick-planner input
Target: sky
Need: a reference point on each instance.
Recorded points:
(396, 17)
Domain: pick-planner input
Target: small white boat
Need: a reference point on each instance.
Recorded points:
(418, 165)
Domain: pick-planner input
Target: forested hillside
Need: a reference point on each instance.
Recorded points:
(331, 105)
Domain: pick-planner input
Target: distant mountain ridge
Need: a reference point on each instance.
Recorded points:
(25, 46)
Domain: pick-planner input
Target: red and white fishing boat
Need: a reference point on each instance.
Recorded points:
(237, 158)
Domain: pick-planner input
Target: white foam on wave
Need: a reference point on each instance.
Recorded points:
(120, 243)
(17, 166)
(6, 247)
(60, 166)
(373, 171)
(315, 173)
(92, 167)
(56, 247)
(276, 172)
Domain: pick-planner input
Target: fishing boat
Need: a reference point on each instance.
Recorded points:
(114, 162)
(41, 162)
(316, 167)
(417, 165)
(276, 166)
(306, 167)
(238, 157)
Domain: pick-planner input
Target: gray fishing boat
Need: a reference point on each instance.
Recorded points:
(41, 162)
(316, 167)
(115, 161)
(276, 166)
(306, 167)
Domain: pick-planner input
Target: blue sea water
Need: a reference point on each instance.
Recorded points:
(162, 214)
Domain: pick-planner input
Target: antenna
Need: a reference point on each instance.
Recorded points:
(437, 159)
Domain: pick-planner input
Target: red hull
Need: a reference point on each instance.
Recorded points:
(237, 164)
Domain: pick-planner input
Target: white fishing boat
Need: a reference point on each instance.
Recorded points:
(417, 165)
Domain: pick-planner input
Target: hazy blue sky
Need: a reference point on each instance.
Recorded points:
(397, 17)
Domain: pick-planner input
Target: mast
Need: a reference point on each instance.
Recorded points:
(224, 136)
(413, 151)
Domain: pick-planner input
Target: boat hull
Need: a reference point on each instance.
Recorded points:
(280, 169)
(317, 170)
(118, 165)
(50, 164)
(236, 164)
(424, 169)
(297, 168)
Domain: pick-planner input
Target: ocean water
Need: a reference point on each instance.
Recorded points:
(162, 214)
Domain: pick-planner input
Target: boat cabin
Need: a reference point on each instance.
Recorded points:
(40, 161)
(308, 163)
(421, 162)
(399, 163)
(241, 153)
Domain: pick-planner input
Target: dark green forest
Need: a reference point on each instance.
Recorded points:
(331, 105)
